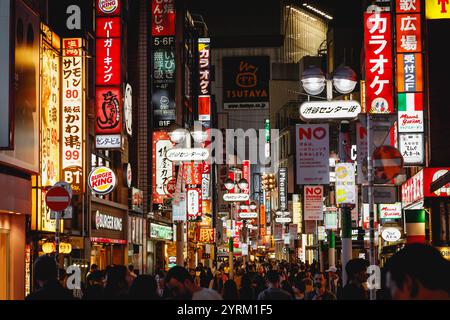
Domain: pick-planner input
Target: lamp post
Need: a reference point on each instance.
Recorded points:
(230, 184)
(344, 81)
(181, 138)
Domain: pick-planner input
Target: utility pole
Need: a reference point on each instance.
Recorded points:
(370, 180)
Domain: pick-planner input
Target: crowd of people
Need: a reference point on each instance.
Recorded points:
(415, 272)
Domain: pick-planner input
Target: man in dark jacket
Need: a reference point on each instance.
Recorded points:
(357, 274)
(274, 292)
(45, 271)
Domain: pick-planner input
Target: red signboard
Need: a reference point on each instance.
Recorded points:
(108, 7)
(108, 61)
(379, 73)
(107, 27)
(246, 176)
(163, 18)
(192, 173)
(108, 109)
(163, 171)
(204, 108)
(418, 187)
(408, 6)
(408, 33)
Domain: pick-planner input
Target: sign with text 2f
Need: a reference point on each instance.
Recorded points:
(313, 153)
(108, 101)
(163, 62)
(73, 114)
(379, 73)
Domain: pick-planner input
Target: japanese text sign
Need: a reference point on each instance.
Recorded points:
(163, 169)
(163, 17)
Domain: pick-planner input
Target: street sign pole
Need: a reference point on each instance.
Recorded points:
(57, 234)
(370, 179)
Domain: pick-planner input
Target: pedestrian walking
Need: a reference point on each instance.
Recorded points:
(357, 275)
(246, 292)
(230, 290)
(274, 291)
(144, 287)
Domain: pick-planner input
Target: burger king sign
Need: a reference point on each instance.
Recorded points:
(102, 180)
(108, 7)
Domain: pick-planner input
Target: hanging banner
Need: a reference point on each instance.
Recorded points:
(246, 175)
(312, 143)
(73, 114)
(192, 173)
(163, 169)
(282, 188)
(378, 52)
(194, 203)
(108, 96)
(362, 152)
(313, 203)
(345, 183)
(297, 212)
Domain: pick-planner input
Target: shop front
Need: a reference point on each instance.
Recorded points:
(15, 209)
(161, 245)
(136, 236)
(108, 236)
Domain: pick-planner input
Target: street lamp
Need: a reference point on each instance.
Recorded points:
(253, 206)
(313, 80)
(344, 80)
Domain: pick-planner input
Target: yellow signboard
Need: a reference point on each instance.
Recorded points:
(437, 9)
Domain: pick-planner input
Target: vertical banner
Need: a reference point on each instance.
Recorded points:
(108, 97)
(312, 141)
(163, 62)
(246, 175)
(282, 188)
(204, 89)
(345, 183)
(297, 213)
(163, 169)
(362, 152)
(379, 73)
(313, 203)
(72, 132)
(194, 203)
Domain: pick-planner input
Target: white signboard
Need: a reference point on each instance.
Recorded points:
(313, 154)
(236, 197)
(193, 202)
(361, 152)
(412, 148)
(248, 215)
(128, 109)
(391, 234)
(317, 110)
(345, 183)
(297, 214)
(410, 112)
(164, 168)
(179, 210)
(108, 141)
(283, 220)
(313, 203)
(194, 154)
(331, 221)
(244, 248)
(391, 211)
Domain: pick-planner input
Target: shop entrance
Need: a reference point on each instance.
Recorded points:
(103, 255)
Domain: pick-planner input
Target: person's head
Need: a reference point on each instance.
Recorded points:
(45, 269)
(320, 281)
(418, 271)
(299, 285)
(332, 272)
(357, 270)
(286, 286)
(97, 278)
(143, 288)
(308, 284)
(94, 267)
(230, 290)
(245, 281)
(273, 278)
(180, 283)
(130, 267)
(116, 276)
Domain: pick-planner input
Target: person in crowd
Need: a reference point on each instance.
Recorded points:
(418, 272)
(230, 290)
(259, 284)
(131, 275)
(92, 269)
(274, 291)
(334, 283)
(183, 287)
(143, 288)
(95, 290)
(320, 289)
(218, 282)
(246, 292)
(286, 286)
(299, 289)
(160, 279)
(309, 288)
(116, 283)
(357, 275)
(49, 288)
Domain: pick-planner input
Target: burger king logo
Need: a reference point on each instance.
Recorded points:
(102, 180)
(108, 6)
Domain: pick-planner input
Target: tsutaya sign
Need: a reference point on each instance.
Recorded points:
(330, 110)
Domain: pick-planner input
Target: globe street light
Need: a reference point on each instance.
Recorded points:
(229, 184)
(344, 80)
(253, 206)
(313, 80)
(243, 184)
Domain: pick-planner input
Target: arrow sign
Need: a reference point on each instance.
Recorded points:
(57, 198)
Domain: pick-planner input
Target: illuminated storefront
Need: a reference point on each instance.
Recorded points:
(160, 245)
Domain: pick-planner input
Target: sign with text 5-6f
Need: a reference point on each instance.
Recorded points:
(345, 183)
(312, 147)
(313, 203)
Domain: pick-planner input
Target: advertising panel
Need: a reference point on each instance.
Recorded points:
(345, 183)
(163, 169)
(313, 203)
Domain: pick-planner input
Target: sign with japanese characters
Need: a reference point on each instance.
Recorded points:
(410, 112)
(137, 200)
(329, 110)
(313, 203)
(412, 148)
(194, 203)
(163, 17)
(409, 72)
(206, 235)
(163, 169)
(50, 108)
(246, 82)
(192, 172)
(194, 154)
(312, 143)
(73, 114)
(408, 33)
(379, 73)
(108, 96)
(345, 183)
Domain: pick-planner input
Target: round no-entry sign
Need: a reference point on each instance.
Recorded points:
(387, 163)
(57, 198)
